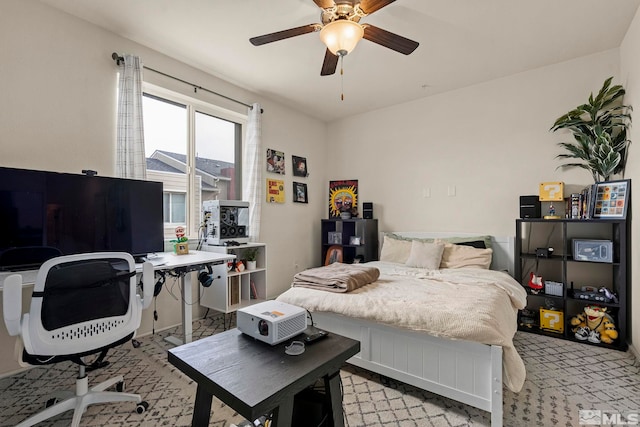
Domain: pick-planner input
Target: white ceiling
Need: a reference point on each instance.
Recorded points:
(462, 42)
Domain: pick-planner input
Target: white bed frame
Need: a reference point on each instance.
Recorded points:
(464, 371)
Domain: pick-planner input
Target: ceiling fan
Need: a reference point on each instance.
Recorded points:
(340, 30)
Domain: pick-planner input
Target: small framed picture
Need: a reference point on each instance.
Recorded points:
(354, 240)
(300, 193)
(275, 161)
(611, 199)
(334, 237)
(299, 166)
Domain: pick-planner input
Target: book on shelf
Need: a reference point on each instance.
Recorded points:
(587, 196)
(234, 291)
(254, 291)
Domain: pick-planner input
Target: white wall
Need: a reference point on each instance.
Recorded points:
(491, 141)
(57, 112)
(630, 79)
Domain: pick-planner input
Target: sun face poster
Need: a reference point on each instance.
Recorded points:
(275, 190)
(343, 197)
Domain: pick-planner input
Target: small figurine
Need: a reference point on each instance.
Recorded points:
(535, 283)
(181, 244)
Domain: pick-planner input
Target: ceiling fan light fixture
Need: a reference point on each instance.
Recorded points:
(341, 36)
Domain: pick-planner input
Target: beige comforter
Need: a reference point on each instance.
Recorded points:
(337, 277)
(467, 304)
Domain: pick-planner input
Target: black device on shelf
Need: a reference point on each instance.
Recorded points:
(612, 279)
(530, 207)
(45, 214)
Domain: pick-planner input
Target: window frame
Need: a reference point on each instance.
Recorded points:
(194, 105)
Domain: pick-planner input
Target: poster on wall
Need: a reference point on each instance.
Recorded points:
(275, 161)
(343, 197)
(300, 192)
(299, 166)
(275, 190)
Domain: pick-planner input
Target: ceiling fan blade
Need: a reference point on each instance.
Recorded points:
(285, 34)
(330, 64)
(370, 6)
(390, 40)
(324, 4)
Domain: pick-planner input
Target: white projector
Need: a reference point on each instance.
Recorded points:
(272, 321)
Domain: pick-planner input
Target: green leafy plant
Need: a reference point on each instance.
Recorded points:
(251, 254)
(600, 132)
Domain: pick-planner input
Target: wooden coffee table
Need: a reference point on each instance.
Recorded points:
(255, 378)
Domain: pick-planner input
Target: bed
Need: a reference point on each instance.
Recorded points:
(452, 333)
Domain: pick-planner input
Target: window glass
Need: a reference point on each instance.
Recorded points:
(215, 156)
(194, 149)
(178, 208)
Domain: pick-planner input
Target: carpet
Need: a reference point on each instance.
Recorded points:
(563, 377)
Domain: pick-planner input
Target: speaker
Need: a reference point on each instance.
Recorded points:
(530, 207)
(367, 210)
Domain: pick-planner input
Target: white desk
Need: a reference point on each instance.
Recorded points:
(193, 261)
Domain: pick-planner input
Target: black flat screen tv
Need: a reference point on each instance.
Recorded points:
(44, 214)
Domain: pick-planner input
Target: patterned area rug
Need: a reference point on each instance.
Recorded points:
(562, 378)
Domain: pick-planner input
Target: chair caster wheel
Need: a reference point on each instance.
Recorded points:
(49, 403)
(120, 386)
(142, 407)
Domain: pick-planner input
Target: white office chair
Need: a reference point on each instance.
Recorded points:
(81, 305)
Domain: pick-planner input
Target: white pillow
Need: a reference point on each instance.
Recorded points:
(460, 256)
(425, 255)
(395, 250)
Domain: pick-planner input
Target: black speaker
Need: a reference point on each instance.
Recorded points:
(367, 210)
(530, 207)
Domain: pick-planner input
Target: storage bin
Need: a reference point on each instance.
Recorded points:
(593, 250)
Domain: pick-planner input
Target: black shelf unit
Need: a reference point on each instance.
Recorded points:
(364, 229)
(533, 233)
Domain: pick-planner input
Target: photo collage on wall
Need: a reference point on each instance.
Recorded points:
(275, 187)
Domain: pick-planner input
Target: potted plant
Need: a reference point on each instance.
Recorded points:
(250, 255)
(600, 131)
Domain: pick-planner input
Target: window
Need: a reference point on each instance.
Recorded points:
(194, 149)
(175, 208)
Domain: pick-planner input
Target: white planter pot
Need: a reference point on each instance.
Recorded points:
(251, 265)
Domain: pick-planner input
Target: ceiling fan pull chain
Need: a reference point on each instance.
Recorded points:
(341, 78)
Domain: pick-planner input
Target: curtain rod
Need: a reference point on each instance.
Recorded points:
(119, 58)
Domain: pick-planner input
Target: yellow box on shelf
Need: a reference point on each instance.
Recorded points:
(551, 191)
(552, 320)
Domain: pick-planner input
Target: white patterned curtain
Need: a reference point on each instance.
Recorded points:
(252, 170)
(130, 158)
